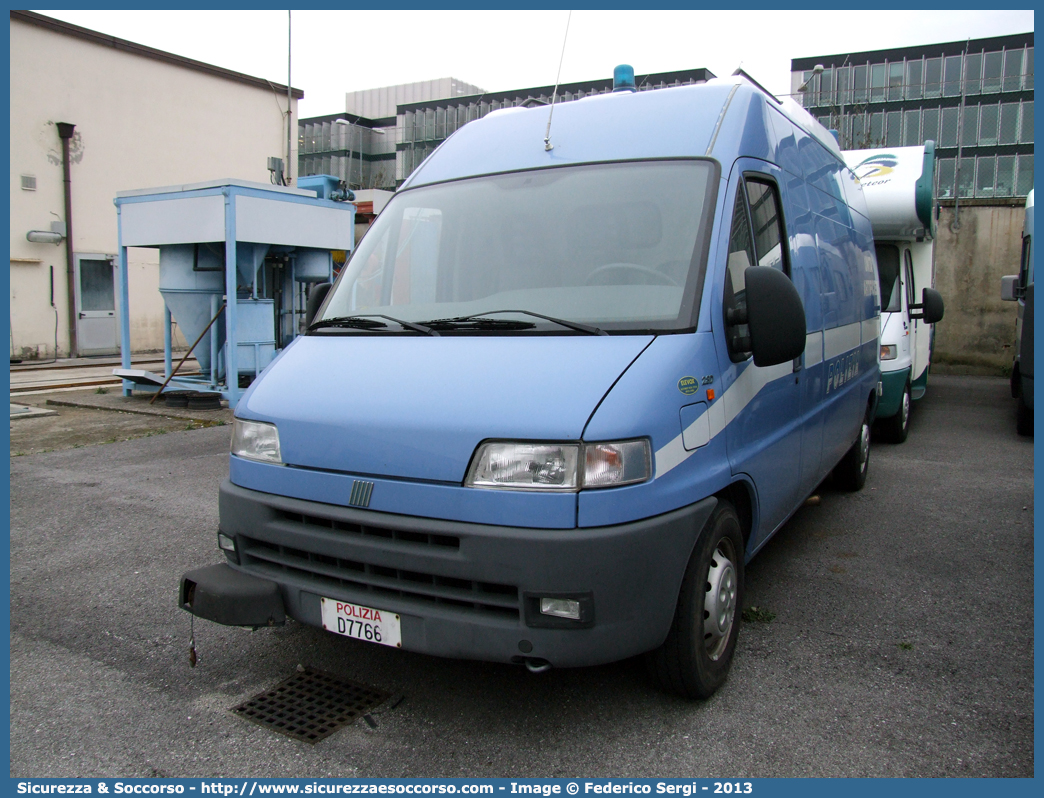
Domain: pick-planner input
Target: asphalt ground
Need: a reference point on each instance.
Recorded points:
(895, 636)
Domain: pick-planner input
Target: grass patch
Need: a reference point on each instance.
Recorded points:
(101, 390)
(758, 615)
(905, 646)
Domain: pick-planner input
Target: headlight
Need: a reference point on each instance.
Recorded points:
(889, 351)
(255, 440)
(525, 466)
(556, 466)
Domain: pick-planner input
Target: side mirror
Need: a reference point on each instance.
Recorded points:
(931, 308)
(1010, 288)
(316, 294)
(775, 315)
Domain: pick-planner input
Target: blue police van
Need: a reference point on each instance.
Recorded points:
(568, 384)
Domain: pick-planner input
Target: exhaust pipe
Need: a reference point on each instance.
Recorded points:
(536, 665)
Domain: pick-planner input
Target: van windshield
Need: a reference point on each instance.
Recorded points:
(617, 247)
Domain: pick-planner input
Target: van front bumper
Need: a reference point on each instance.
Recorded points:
(471, 591)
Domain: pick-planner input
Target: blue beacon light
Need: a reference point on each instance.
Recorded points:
(623, 78)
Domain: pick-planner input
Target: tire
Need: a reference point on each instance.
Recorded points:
(695, 658)
(1024, 419)
(897, 427)
(850, 473)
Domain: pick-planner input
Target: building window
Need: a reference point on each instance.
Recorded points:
(988, 120)
(844, 80)
(876, 130)
(969, 128)
(913, 79)
(858, 139)
(952, 79)
(826, 87)
(1024, 176)
(1013, 70)
(1028, 81)
(950, 121)
(859, 83)
(966, 178)
(1026, 133)
(933, 77)
(1005, 176)
(991, 73)
(894, 129)
(930, 124)
(912, 128)
(946, 176)
(877, 83)
(986, 175)
(972, 73)
(28, 183)
(1009, 123)
(895, 81)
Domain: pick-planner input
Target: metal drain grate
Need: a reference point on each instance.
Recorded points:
(311, 705)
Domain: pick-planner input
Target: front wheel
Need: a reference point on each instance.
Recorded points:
(1024, 419)
(850, 473)
(695, 658)
(897, 427)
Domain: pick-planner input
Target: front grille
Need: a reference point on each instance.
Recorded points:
(402, 535)
(322, 570)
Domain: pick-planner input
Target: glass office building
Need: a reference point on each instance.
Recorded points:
(973, 98)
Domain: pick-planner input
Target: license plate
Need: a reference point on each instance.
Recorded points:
(362, 623)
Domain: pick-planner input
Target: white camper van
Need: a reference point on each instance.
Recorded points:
(898, 186)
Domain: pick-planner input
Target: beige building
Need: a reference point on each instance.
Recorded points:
(143, 118)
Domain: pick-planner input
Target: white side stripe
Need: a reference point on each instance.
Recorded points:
(871, 329)
(721, 413)
(838, 340)
(819, 346)
(813, 349)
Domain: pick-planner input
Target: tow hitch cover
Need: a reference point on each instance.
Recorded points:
(218, 593)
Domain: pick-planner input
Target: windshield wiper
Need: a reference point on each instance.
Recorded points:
(367, 321)
(471, 323)
(573, 325)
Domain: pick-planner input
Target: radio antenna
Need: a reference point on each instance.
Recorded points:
(548, 146)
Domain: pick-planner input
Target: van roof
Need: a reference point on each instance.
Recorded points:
(722, 118)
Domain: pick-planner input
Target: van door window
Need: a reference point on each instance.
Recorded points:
(756, 239)
(888, 272)
(768, 232)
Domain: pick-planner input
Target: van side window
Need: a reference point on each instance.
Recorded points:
(756, 240)
(911, 289)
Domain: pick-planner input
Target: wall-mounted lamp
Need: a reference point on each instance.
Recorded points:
(816, 70)
(56, 235)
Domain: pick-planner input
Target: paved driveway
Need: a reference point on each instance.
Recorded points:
(901, 643)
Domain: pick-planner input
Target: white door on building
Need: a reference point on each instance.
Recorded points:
(97, 328)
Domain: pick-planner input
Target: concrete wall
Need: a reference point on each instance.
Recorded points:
(978, 331)
(140, 122)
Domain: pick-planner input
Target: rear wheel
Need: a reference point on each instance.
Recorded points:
(1024, 419)
(695, 658)
(850, 473)
(897, 427)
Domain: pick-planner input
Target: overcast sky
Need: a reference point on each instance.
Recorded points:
(339, 51)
